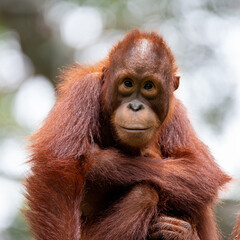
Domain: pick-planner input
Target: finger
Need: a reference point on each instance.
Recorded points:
(165, 234)
(169, 227)
(175, 221)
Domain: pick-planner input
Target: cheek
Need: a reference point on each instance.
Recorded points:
(161, 107)
(109, 103)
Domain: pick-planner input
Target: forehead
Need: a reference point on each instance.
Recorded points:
(140, 58)
(143, 48)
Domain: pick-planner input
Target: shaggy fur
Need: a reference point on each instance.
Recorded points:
(64, 157)
(236, 230)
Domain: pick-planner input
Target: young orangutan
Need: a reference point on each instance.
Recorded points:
(117, 157)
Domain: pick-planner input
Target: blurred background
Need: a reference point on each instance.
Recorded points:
(37, 38)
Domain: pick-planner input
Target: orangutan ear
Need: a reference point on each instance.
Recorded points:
(104, 73)
(176, 81)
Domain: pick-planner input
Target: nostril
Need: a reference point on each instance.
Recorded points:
(135, 106)
(140, 107)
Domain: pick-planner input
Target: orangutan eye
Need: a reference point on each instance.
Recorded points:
(148, 85)
(128, 83)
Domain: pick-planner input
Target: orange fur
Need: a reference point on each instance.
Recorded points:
(236, 230)
(64, 158)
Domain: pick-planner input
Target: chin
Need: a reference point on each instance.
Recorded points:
(135, 138)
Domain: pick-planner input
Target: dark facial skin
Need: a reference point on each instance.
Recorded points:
(141, 94)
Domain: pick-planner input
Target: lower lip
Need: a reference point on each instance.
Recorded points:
(134, 130)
